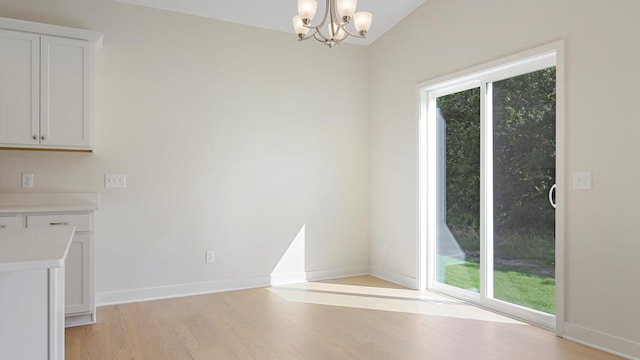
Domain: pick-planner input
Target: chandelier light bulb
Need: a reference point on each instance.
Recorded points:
(307, 9)
(362, 21)
(299, 27)
(346, 8)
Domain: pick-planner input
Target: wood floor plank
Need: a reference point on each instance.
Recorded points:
(354, 318)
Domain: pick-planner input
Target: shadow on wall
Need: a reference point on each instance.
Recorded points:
(291, 267)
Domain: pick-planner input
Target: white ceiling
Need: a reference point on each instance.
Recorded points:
(277, 14)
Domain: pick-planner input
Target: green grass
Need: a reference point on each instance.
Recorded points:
(511, 285)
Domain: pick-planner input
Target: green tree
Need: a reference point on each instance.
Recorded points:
(524, 164)
(461, 112)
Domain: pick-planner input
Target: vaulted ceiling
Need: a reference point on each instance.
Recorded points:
(277, 14)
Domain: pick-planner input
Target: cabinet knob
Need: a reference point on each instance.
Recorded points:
(35, 137)
(3, 226)
(42, 137)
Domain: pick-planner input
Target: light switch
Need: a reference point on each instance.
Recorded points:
(115, 181)
(582, 180)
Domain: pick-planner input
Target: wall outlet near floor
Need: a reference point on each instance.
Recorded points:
(27, 180)
(209, 257)
(115, 181)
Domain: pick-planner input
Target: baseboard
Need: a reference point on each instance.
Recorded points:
(602, 341)
(80, 320)
(288, 278)
(173, 291)
(400, 279)
(318, 275)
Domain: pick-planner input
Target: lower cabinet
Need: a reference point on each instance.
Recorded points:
(32, 313)
(78, 297)
(79, 289)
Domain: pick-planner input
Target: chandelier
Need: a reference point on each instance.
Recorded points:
(337, 15)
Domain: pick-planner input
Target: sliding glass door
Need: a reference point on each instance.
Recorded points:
(491, 179)
(523, 216)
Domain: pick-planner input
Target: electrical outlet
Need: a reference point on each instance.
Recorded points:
(115, 181)
(27, 180)
(209, 257)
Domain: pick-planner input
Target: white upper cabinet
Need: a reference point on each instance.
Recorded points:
(65, 119)
(46, 86)
(19, 88)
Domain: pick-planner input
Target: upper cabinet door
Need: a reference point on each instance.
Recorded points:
(19, 88)
(66, 101)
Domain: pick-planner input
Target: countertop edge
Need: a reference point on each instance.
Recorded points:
(32, 265)
(56, 261)
(14, 203)
(46, 208)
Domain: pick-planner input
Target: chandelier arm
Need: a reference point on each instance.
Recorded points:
(326, 13)
(350, 33)
(315, 31)
(333, 31)
(320, 37)
(319, 32)
(306, 37)
(302, 37)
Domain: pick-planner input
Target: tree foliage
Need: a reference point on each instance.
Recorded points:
(523, 159)
(461, 112)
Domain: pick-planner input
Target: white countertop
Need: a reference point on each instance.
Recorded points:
(45, 202)
(34, 248)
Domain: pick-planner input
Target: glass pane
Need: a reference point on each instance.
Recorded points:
(524, 172)
(458, 169)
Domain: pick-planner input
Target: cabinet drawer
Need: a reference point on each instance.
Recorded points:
(82, 222)
(8, 222)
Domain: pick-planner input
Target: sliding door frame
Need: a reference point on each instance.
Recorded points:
(427, 142)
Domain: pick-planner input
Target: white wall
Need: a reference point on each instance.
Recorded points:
(232, 138)
(228, 142)
(602, 124)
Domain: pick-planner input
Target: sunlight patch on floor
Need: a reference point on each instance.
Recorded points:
(386, 299)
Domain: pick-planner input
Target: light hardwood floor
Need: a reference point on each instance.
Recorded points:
(354, 318)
